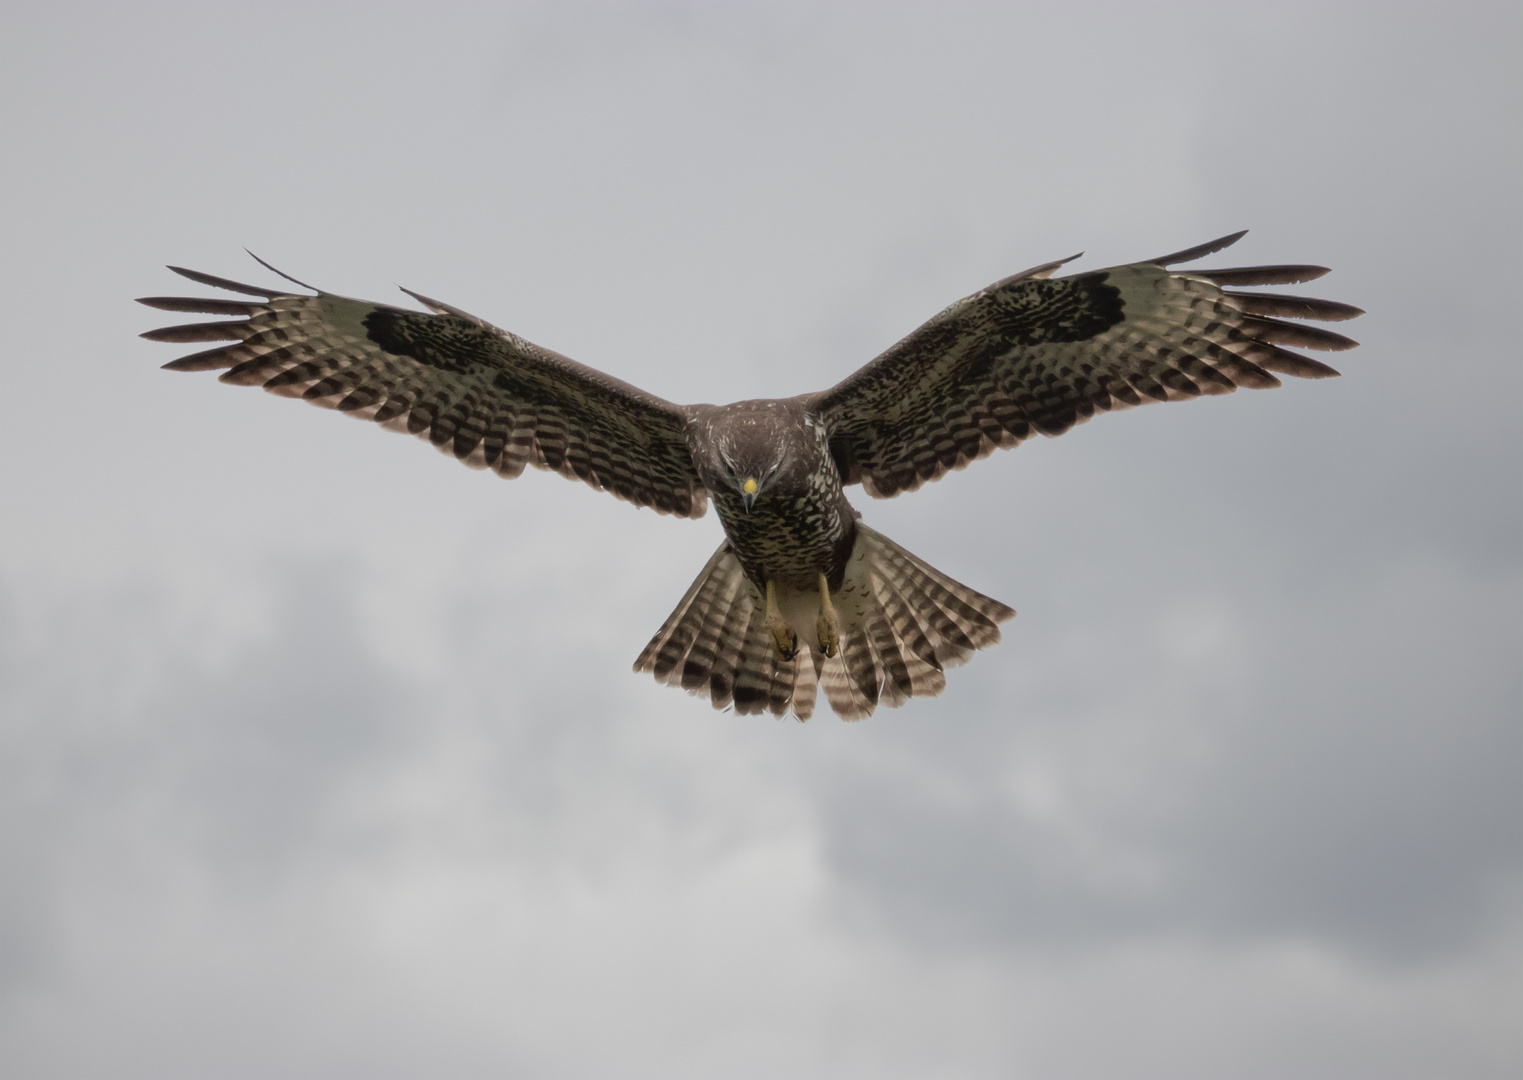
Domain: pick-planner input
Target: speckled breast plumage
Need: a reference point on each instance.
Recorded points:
(792, 538)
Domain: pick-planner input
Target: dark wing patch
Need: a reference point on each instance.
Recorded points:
(486, 396)
(1048, 312)
(1036, 355)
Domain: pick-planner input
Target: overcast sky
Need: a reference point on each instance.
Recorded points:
(322, 755)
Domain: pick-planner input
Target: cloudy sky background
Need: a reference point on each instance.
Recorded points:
(322, 755)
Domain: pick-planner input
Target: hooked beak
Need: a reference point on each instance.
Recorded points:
(748, 493)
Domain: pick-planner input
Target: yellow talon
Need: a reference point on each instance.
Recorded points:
(829, 625)
(785, 643)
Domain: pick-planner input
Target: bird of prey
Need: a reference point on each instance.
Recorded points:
(800, 595)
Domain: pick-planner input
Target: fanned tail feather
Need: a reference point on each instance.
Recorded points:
(715, 645)
(903, 622)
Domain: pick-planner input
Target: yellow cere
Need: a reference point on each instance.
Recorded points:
(749, 487)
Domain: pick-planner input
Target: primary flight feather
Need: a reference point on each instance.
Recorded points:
(801, 595)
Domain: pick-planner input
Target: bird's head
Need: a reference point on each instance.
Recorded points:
(749, 452)
(750, 468)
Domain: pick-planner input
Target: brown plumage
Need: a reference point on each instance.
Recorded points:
(800, 596)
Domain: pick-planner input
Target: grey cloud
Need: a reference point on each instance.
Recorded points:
(238, 767)
(249, 758)
(1352, 783)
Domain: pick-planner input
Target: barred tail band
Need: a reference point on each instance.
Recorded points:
(903, 622)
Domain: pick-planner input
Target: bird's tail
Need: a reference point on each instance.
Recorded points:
(902, 623)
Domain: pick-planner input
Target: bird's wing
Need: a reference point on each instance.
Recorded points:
(488, 397)
(1036, 354)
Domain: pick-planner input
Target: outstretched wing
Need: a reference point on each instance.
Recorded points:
(488, 397)
(1035, 354)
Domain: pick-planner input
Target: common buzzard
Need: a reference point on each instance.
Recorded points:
(801, 594)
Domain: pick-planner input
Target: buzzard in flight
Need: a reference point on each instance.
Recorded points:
(801, 594)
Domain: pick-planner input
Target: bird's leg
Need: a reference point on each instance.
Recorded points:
(829, 626)
(785, 643)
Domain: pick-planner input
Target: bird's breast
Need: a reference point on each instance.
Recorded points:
(786, 537)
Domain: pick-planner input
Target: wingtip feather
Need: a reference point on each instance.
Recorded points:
(200, 304)
(1292, 307)
(223, 283)
(1200, 251)
(225, 331)
(281, 273)
(1261, 275)
(210, 360)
